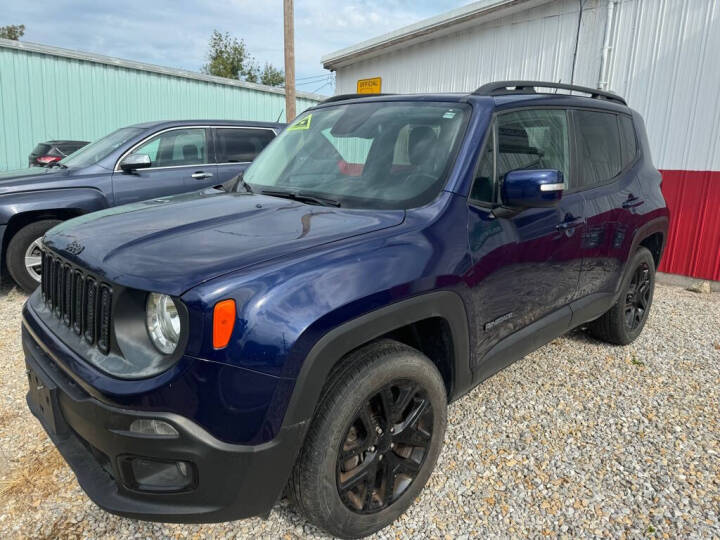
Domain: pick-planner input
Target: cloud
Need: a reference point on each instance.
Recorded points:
(176, 34)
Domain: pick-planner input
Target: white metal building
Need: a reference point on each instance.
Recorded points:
(663, 56)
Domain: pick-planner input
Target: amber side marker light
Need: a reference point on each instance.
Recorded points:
(223, 323)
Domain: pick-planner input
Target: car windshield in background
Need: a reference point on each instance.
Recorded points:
(392, 154)
(94, 152)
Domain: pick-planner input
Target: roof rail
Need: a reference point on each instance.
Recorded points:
(342, 97)
(501, 88)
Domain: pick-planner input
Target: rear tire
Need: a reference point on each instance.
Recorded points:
(624, 322)
(386, 411)
(23, 245)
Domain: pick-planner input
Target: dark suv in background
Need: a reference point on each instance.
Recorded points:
(131, 164)
(193, 356)
(46, 153)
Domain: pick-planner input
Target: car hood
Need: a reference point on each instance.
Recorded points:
(30, 178)
(171, 244)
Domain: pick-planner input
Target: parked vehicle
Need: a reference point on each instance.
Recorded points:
(192, 356)
(46, 153)
(131, 164)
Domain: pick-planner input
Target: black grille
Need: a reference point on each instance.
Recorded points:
(78, 300)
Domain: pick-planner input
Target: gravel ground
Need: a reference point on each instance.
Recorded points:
(577, 439)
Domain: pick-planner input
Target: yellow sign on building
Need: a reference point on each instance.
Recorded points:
(369, 86)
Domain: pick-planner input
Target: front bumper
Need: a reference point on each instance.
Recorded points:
(230, 481)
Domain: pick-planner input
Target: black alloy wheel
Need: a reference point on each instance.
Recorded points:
(384, 447)
(373, 441)
(625, 320)
(637, 297)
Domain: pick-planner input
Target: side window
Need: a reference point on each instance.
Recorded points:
(628, 139)
(533, 139)
(237, 145)
(176, 147)
(484, 183)
(598, 147)
(150, 149)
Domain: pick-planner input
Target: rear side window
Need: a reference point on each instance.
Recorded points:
(598, 147)
(628, 140)
(238, 145)
(41, 149)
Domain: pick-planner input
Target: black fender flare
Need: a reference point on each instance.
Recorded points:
(656, 225)
(338, 342)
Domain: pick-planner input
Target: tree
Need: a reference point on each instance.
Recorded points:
(229, 57)
(12, 31)
(272, 76)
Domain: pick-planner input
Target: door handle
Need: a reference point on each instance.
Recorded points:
(566, 225)
(200, 175)
(632, 201)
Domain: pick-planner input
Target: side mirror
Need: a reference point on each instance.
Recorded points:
(534, 188)
(135, 161)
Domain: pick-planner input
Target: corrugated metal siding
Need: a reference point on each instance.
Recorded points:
(665, 62)
(693, 246)
(534, 44)
(45, 97)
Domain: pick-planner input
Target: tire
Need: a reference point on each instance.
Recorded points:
(377, 373)
(18, 247)
(624, 322)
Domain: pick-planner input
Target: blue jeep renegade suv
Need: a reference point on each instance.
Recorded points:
(305, 327)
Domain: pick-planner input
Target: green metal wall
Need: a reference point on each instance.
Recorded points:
(50, 96)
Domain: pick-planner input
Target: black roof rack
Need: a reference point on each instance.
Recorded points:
(342, 97)
(501, 88)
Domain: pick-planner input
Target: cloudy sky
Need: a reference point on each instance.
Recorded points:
(175, 33)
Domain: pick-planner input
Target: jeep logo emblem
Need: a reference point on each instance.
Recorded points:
(74, 247)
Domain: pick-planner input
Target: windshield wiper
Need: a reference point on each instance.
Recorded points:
(302, 197)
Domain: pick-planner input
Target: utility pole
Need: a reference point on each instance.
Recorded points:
(288, 17)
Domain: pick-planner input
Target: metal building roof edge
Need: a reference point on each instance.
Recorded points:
(141, 66)
(424, 29)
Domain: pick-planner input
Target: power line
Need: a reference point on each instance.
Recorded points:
(319, 76)
(323, 86)
(326, 79)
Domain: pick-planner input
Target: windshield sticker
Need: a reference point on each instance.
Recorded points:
(449, 114)
(302, 124)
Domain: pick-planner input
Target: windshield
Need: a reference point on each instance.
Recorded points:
(365, 155)
(94, 152)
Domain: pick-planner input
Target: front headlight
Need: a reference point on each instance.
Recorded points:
(163, 322)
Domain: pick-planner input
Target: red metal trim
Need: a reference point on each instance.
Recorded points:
(693, 246)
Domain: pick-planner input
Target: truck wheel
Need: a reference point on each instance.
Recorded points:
(23, 254)
(623, 323)
(373, 442)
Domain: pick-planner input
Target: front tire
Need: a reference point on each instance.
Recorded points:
(373, 442)
(23, 254)
(624, 322)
